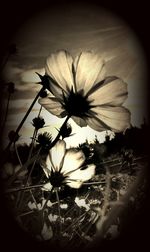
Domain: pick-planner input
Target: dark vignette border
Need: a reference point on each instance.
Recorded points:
(136, 14)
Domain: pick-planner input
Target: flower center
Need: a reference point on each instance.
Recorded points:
(76, 104)
(56, 179)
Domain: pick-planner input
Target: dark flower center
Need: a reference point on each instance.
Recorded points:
(76, 104)
(45, 140)
(56, 179)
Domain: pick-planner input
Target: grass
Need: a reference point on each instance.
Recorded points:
(76, 217)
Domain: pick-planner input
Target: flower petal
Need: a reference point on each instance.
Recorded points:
(73, 160)
(89, 69)
(96, 124)
(55, 88)
(32, 205)
(59, 68)
(79, 176)
(116, 119)
(56, 154)
(74, 184)
(112, 92)
(81, 122)
(47, 187)
(47, 168)
(47, 232)
(53, 106)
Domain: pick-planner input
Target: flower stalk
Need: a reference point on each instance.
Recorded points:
(24, 118)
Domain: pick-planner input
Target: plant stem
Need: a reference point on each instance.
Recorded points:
(6, 113)
(48, 198)
(94, 183)
(106, 201)
(33, 138)
(11, 190)
(26, 183)
(25, 117)
(34, 199)
(22, 168)
(26, 213)
(32, 144)
(59, 133)
(58, 201)
(35, 156)
(16, 150)
(19, 193)
(32, 167)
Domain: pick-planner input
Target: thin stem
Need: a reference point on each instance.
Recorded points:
(26, 183)
(22, 168)
(35, 156)
(25, 117)
(33, 138)
(32, 144)
(94, 183)
(34, 199)
(71, 209)
(58, 201)
(11, 190)
(106, 198)
(40, 111)
(48, 198)
(32, 167)
(20, 162)
(87, 227)
(76, 221)
(59, 133)
(68, 173)
(24, 214)
(6, 113)
(16, 150)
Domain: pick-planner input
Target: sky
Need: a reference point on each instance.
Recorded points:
(75, 29)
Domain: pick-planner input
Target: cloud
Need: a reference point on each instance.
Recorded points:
(30, 76)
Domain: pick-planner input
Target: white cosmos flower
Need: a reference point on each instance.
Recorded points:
(65, 167)
(80, 89)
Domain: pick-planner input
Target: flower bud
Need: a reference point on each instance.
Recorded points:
(38, 123)
(66, 130)
(43, 94)
(13, 136)
(44, 140)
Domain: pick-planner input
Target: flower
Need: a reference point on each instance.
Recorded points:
(65, 130)
(44, 140)
(79, 89)
(9, 170)
(64, 167)
(38, 122)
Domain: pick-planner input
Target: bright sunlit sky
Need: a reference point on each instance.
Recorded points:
(76, 29)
